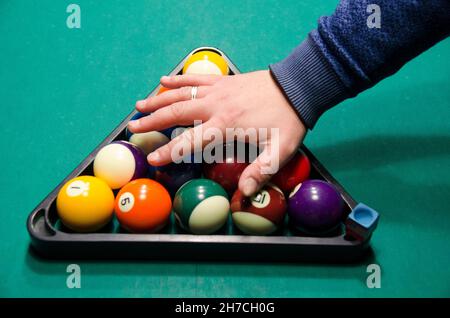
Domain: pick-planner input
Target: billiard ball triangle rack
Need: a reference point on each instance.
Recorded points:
(349, 242)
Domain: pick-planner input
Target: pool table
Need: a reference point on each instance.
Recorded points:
(62, 91)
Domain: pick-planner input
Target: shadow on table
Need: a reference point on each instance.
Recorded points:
(43, 266)
(374, 151)
(416, 199)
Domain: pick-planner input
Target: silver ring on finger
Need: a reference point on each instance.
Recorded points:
(194, 91)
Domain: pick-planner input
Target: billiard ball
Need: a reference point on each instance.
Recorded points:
(85, 204)
(163, 89)
(228, 168)
(174, 175)
(120, 162)
(143, 205)
(294, 172)
(174, 132)
(201, 206)
(315, 206)
(206, 62)
(148, 141)
(261, 214)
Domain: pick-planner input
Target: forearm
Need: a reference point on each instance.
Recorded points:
(343, 56)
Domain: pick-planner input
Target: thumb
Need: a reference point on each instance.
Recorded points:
(260, 170)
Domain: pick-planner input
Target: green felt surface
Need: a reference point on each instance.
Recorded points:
(63, 90)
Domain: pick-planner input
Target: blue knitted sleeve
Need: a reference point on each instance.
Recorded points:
(355, 48)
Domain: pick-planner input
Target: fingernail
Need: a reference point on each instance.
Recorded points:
(140, 104)
(164, 78)
(134, 123)
(154, 157)
(250, 187)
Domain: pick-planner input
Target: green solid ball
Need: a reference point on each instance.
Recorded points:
(201, 206)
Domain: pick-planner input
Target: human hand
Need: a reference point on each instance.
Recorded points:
(251, 100)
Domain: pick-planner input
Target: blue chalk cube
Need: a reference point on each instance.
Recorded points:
(361, 222)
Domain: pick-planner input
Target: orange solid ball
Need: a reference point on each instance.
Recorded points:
(162, 90)
(143, 205)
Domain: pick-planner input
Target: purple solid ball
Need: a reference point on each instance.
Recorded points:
(141, 168)
(315, 206)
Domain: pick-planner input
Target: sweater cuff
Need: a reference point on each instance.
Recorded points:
(309, 82)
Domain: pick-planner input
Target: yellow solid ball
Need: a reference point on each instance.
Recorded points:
(206, 62)
(85, 204)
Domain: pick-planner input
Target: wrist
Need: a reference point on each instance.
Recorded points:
(308, 82)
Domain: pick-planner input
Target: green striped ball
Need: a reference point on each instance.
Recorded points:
(201, 206)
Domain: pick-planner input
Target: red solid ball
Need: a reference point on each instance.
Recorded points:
(294, 172)
(227, 172)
